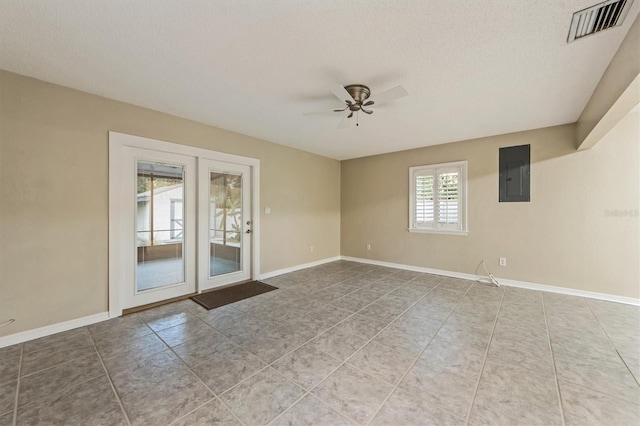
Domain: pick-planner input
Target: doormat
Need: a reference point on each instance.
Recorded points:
(224, 296)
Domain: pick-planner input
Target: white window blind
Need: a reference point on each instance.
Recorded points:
(438, 197)
(424, 198)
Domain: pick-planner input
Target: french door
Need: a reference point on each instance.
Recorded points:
(180, 221)
(160, 218)
(225, 223)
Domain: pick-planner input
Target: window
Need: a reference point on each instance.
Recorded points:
(438, 198)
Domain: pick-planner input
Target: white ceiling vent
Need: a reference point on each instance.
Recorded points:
(598, 18)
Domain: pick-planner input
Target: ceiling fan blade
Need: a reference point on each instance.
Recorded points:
(345, 122)
(391, 94)
(366, 111)
(326, 111)
(350, 114)
(341, 93)
(368, 103)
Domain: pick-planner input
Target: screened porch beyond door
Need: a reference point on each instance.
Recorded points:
(160, 225)
(152, 272)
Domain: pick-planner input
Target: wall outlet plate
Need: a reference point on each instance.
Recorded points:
(503, 261)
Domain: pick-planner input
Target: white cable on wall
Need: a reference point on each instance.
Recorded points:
(491, 279)
(7, 322)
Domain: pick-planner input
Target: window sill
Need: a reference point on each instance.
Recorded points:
(437, 231)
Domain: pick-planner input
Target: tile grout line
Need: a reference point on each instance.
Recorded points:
(40, 350)
(343, 362)
(71, 331)
(88, 333)
(270, 365)
(308, 391)
(553, 361)
(315, 336)
(484, 359)
(366, 306)
(281, 323)
(76, 384)
(277, 323)
(293, 404)
(58, 365)
(55, 365)
(394, 320)
(611, 343)
(420, 354)
(113, 388)
(15, 402)
(235, 342)
(192, 411)
(267, 365)
(346, 360)
(598, 391)
(215, 395)
(304, 395)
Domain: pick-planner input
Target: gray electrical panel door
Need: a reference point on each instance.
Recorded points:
(514, 173)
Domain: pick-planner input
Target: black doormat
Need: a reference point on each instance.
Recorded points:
(224, 296)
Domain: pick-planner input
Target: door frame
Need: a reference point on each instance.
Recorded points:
(119, 140)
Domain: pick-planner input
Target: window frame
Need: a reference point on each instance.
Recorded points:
(462, 228)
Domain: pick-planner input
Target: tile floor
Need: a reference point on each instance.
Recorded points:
(341, 343)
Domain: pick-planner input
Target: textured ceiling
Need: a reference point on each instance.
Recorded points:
(472, 68)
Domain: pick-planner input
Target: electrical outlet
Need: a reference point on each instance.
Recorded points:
(311, 249)
(369, 247)
(503, 261)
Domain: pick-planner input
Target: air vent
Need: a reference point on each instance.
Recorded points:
(598, 18)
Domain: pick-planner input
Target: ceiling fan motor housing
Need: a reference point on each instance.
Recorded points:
(359, 92)
(355, 98)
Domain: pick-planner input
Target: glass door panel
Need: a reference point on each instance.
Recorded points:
(225, 223)
(225, 212)
(160, 224)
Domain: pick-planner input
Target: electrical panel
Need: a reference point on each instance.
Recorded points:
(515, 174)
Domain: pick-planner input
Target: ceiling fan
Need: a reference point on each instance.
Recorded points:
(355, 98)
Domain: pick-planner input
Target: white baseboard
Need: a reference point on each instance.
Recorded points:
(504, 281)
(570, 291)
(298, 267)
(412, 268)
(48, 330)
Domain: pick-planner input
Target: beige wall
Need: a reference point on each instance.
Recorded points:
(562, 237)
(624, 67)
(54, 185)
(54, 194)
